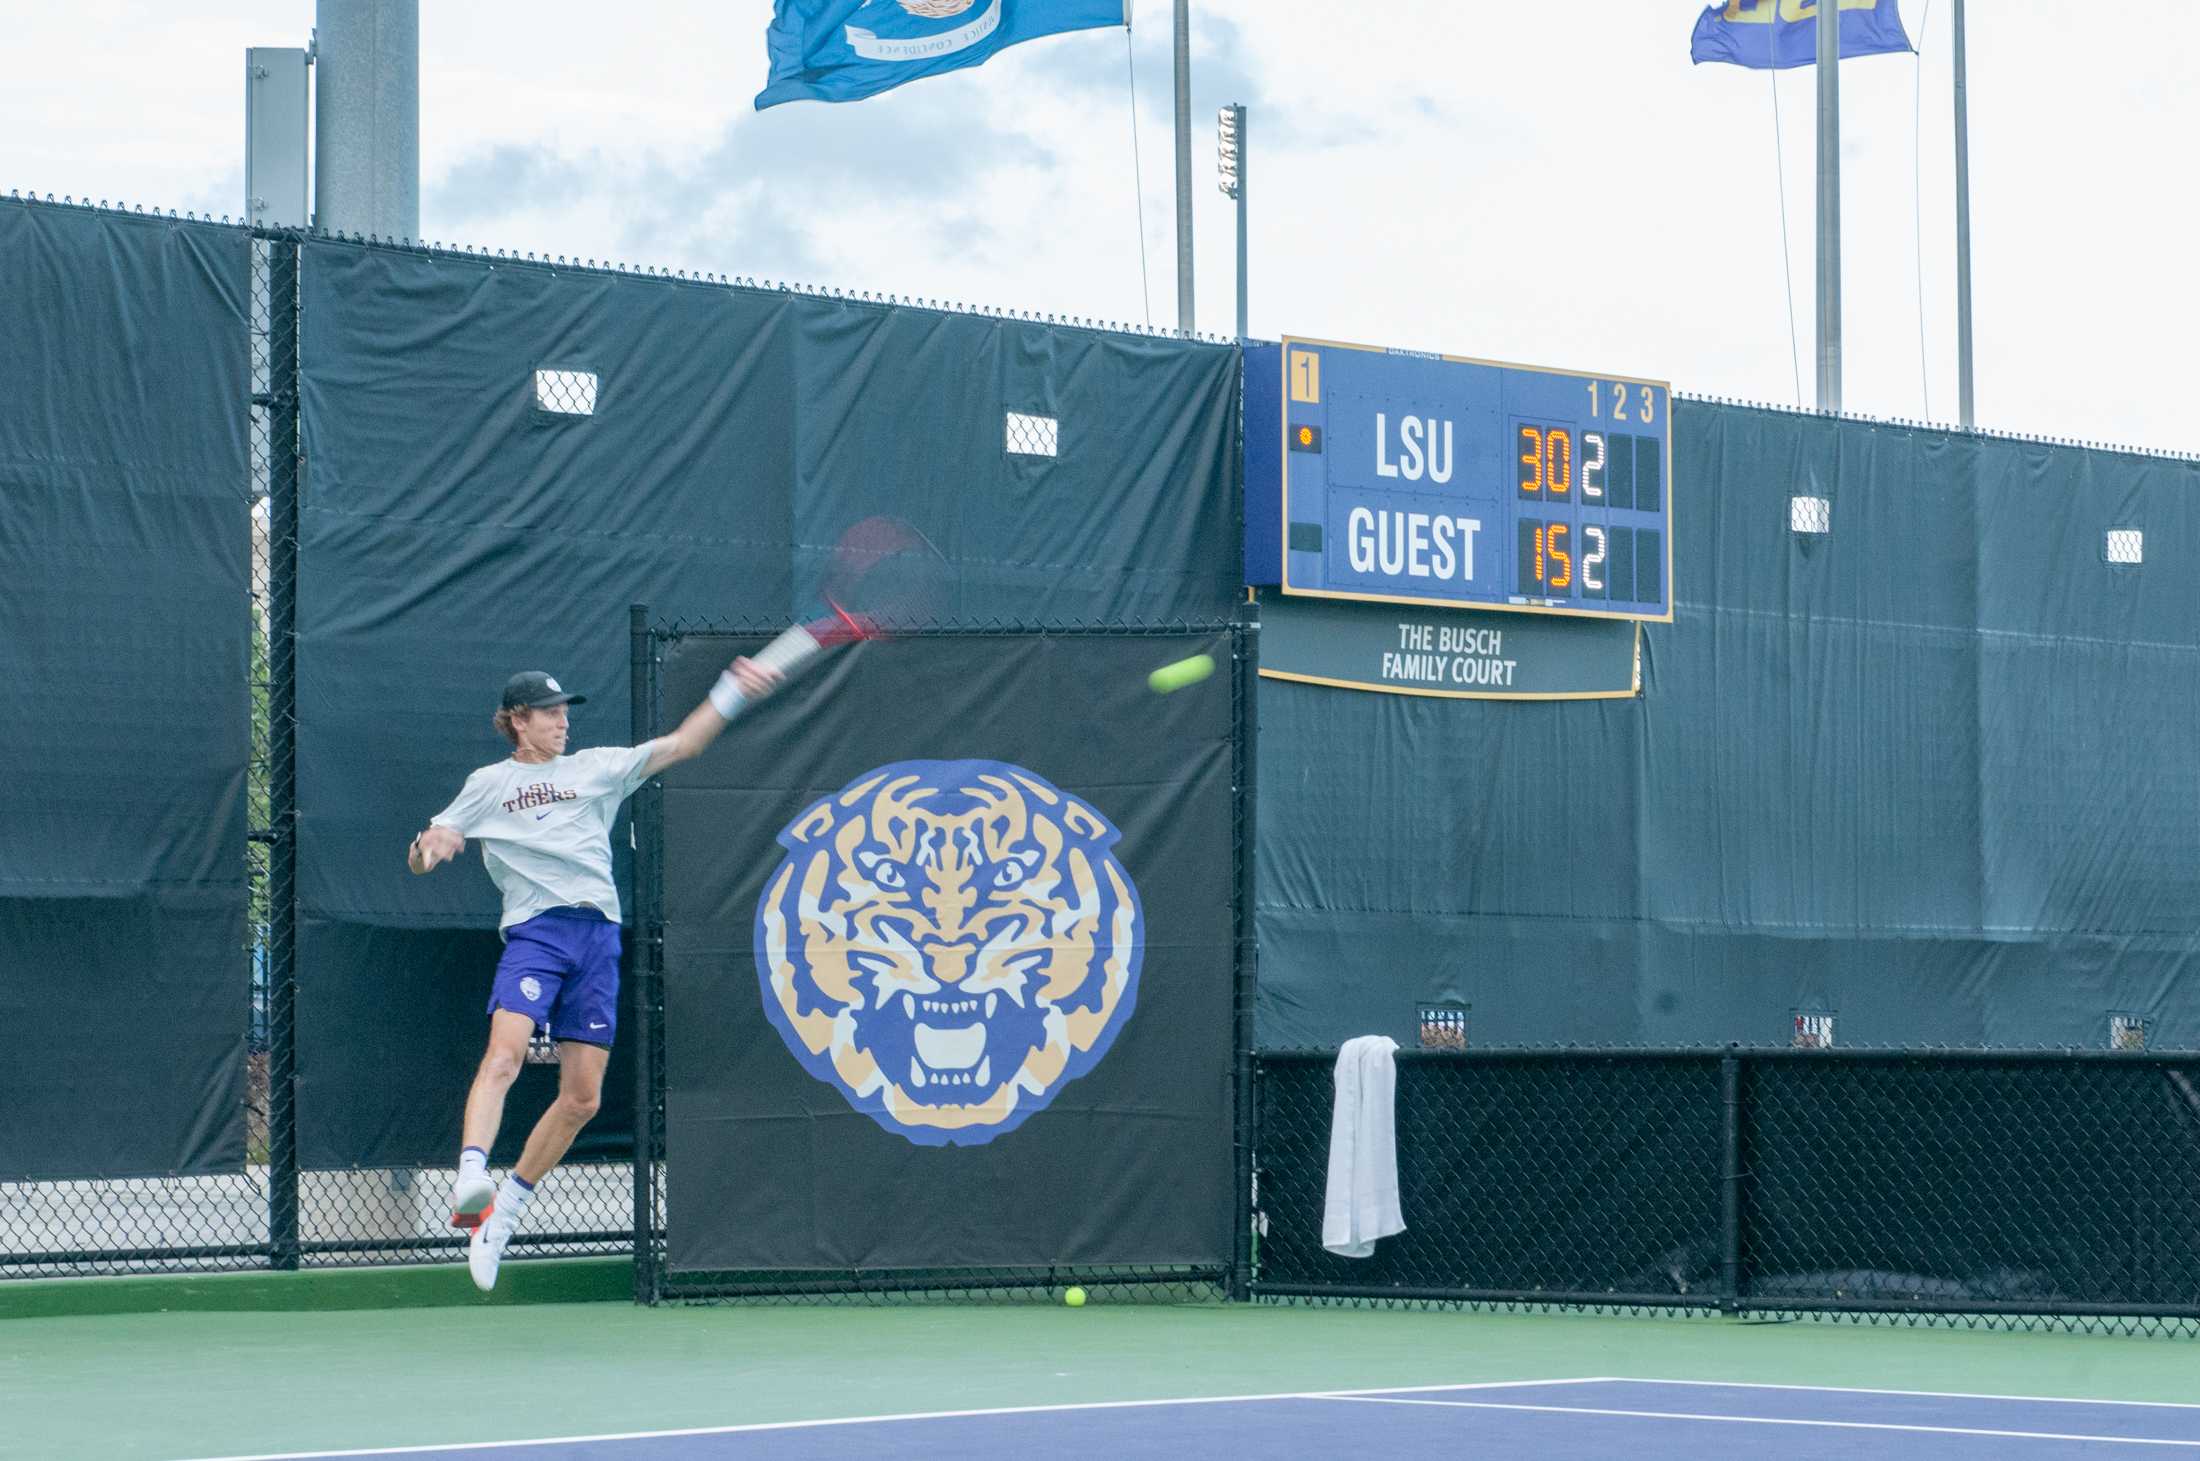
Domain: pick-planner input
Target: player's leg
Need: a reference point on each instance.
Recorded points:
(500, 1063)
(582, 1021)
(529, 978)
(580, 1092)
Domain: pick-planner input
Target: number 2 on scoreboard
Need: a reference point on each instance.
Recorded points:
(1646, 401)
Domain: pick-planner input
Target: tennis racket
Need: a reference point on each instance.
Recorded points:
(883, 577)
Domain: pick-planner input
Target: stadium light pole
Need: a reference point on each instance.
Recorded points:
(1963, 236)
(1829, 208)
(1230, 162)
(366, 117)
(1184, 320)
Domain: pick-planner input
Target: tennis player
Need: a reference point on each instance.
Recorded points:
(543, 819)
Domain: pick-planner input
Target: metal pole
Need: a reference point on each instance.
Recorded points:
(1184, 165)
(366, 142)
(1242, 332)
(642, 725)
(1730, 1183)
(277, 106)
(284, 465)
(1829, 206)
(1244, 770)
(1963, 235)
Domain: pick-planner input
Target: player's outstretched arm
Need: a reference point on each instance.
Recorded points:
(742, 682)
(432, 848)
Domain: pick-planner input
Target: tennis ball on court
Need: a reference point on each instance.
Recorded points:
(1075, 1298)
(1183, 672)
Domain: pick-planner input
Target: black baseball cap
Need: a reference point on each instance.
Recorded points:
(535, 690)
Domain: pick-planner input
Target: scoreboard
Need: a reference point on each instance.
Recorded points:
(1399, 477)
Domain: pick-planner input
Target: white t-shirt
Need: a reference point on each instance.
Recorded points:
(545, 827)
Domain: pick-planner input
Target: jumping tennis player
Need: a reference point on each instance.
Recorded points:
(543, 819)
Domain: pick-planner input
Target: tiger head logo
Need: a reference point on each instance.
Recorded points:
(949, 943)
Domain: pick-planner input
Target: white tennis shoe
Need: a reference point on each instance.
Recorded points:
(471, 1198)
(485, 1250)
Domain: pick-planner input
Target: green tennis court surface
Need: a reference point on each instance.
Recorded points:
(205, 1384)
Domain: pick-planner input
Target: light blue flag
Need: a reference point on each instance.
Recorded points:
(844, 50)
(1773, 34)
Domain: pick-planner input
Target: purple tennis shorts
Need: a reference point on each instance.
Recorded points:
(561, 970)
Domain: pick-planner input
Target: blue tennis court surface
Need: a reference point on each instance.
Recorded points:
(1629, 1420)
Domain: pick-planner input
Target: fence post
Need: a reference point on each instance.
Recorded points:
(1245, 662)
(285, 467)
(648, 943)
(1730, 1184)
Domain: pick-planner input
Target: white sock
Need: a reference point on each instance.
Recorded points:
(512, 1196)
(473, 1162)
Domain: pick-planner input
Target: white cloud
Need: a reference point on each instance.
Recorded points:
(1529, 181)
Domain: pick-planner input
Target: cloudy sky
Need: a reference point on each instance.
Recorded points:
(1535, 181)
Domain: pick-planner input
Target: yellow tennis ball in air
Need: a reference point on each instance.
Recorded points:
(1183, 672)
(1075, 1298)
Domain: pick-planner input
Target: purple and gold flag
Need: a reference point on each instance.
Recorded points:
(1768, 34)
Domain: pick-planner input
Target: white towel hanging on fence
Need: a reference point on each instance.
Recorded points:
(1362, 1201)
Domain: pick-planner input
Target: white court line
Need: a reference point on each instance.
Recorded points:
(1927, 1394)
(1844, 1425)
(795, 1425)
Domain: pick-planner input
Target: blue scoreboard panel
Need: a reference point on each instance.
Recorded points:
(1407, 478)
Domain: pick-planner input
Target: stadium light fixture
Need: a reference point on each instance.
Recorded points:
(1226, 150)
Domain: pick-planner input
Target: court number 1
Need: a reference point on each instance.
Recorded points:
(1646, 401)
(1306, 377)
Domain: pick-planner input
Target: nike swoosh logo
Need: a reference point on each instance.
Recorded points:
(597, 1026)
(540, 815)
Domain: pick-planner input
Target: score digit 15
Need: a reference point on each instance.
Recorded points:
(1558, 560)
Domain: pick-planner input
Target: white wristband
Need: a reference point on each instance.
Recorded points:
(726, 697)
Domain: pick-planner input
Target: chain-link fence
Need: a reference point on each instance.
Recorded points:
(271, 1213)
(1561, 1178)
(2034, 1187)
(240, 1219)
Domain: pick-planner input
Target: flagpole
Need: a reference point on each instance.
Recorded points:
(1963, 234)
(1829, 206)
(1184, 165)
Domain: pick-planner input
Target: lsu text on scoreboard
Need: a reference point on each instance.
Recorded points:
(1399, 477)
